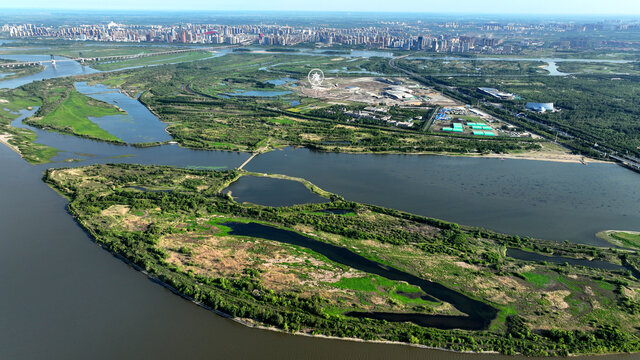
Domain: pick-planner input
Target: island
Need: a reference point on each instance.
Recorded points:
(356, 271)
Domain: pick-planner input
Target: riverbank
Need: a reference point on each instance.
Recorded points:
(568, 158)
(538, 156)
(308, 289)
(4, 139)
(622, 238)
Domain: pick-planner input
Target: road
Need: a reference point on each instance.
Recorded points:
(627, 161)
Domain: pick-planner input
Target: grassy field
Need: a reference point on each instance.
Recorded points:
(152, 60)
(72, 115)
(631, 68)
(627, 239)
(12, 73)
(440, 67)
(193, 98)
(22, 139)
(178, 235)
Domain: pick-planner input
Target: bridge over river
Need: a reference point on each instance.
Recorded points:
(83, 60)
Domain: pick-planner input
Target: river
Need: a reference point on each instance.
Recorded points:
(551, 67)
(63, 297)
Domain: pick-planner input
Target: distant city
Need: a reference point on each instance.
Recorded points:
(454, 37)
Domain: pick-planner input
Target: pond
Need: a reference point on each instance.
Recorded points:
(255, 93)
(272, 192)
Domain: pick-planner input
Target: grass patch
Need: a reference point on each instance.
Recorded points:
(153, 60)
(536, 279)
(73, 114)
(628, 239)
(281, 120)
(502, 317)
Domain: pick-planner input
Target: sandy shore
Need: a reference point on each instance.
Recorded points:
(538, 156)
(567, 158)
(4, 138)
(606, 236)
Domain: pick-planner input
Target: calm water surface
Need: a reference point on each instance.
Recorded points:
(139, 125)
(272, 192)
(66, 298)
(62, 68)
(550, 200)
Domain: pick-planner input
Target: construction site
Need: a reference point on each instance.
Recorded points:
(470, 121)
(377, 91)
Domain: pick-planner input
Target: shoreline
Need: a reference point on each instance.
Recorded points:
(562, 158)
(606, 236)
(250, 322)
(565, 158)
(256, 324)
(4, 139)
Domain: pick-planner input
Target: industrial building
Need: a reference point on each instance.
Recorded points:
(540, 107)
(399, 92)
(497, 93)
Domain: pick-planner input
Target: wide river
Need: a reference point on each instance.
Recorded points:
(63, 297)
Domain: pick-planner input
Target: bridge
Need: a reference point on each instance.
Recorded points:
(83, 60)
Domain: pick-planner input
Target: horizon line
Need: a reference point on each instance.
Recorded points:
(406, 12)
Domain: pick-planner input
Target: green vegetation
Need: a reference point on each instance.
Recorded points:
(170, 223)
(72, 114)
(536, 279)
(21, 140)
(151, 60)
(631, 68)
(627, 239)
(611, 121)
(193, 98)
(439, 67)
(630, 240)
(397, 291)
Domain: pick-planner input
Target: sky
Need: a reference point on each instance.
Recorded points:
(565, 7)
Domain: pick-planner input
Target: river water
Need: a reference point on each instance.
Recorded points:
(551, 67)
(62, 68)
(63, 297)
(139, 125)
(549, 200)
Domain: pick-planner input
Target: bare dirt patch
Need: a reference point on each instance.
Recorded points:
(556, 298)
(115, 210)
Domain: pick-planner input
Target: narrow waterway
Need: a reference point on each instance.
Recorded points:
(63, 297)
(479, 314)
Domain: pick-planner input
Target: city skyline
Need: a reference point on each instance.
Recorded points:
(542, 7)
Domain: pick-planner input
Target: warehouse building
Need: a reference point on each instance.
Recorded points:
(540, 107)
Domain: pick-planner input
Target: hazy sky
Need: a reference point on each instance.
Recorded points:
(576, 7)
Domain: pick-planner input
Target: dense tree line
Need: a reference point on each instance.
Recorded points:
(243, 296)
